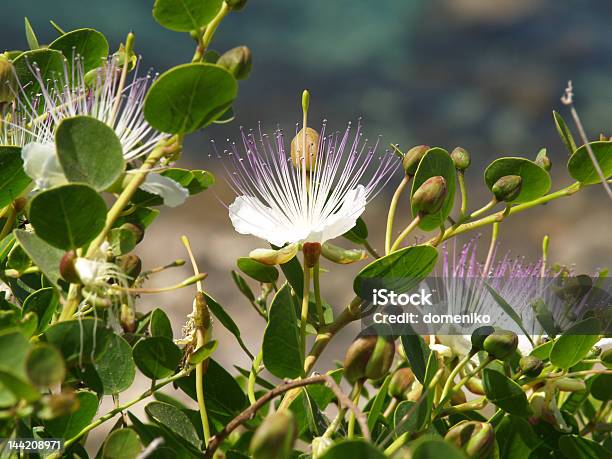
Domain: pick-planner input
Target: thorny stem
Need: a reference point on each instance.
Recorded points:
(413, 224)
(317, 291)
(392, 210)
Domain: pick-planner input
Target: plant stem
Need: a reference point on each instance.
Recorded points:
(317, 291)
(460, 384)
(201, 340)
(11, 215)
(304, 311)
(392, 210)
(491, 252)
(413, 224)
(129, 43)
(253, 377)
(370, 249)
(356, 393)
(212, 26)
(462, 188)
(453, 375)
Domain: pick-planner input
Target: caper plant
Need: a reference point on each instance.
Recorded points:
(89, 147)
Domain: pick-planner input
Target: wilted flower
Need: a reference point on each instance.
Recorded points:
(283, 203)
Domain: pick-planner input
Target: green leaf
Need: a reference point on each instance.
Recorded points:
(189, 97)
(399, 271)
(508, 309)
(160, 324)
(417, 352)
(45, 365)
(295, 275)
(359, 233)
(13, 179)
(575, 447)
(227, 322)
(68, 216)
(49, 62)
(69, 425)
(564, 132)
(46, 257)
(435, 162)
(243, 286)
(601, 387)
(121, 241)
(426, 405)
(89, 44)
(43, 303)
(122, 444)
(575, 343)
(203, 352)
(377, 405)
(429, 447)
(535, 183)
(174, 420)
(15, 347)
(185, 15)
(411, 423)
(258, 271)
(353, 449)
(515, 437)
(281, 343)
(30, 35)
(79, 341)
(505, 393)
(202, 180)
(581, 167)
(156, 357)
(89, 151)
(115, 366)
(542, 351)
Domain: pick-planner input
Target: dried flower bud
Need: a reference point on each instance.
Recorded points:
(507, 188)
(312, 147)
(236, 5)
(475, 438)
(274, 257)
(368, 357)
(501, 344)
(570, 384)
(401, 382)
(68, 267)
(531, 365)
(429, 197)
(275, 437)
(606, 358)
(461, 158)
(130, 264)
(237, 61)
(413, 157)
(135, 229)
(320, 445)
(341, 255)
(543, 160)
(312, 251)
(478, 337)
(8, 80)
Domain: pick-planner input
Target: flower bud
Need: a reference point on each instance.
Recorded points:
(136, 230)
(507, 188)
(342, 256)
(61, 404)
(400, 383)
(19, 204)
(127, 318)
(531, 365)
(8, 80)
(236, 5)
(274, 257)
(543, 160)
(475, 438)
(320, 445)
(501, 344)
(416, 392)
(478, 337)
(429, 197)
(461, 158)
(275, 437)
(606, 358)
(68, 267)
(130, 264)
(368, 357)
(312, 251)
(237, 61)
(413, 157)
(312, 146)
(475, 386)
(570, 384)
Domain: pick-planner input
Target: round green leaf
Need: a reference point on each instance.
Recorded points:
(505, 393)
(575, 447)
(79, 341)
(43, 303)
(185, 15)
(353, 449)
(203, 352)
(435, 448)
(45, 365)
(69, 425)
(89, 44)
(45, 256)
(575, 343)
(160, 324)
(436, 162)
(122, 444)
(68, 216)
(49, 62)
(89, 151)
(156, 357)
(115, 367)
(399, 271)
(174, 420)
(258, 271)
(13, 179)
(189, 97)
(581, 167)
(601, 387)
(536, 181)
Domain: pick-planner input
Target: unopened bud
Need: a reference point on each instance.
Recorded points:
(68, 267)
(400, 383)
(342, 256)
(312, 251)
(275, 437)
(475, 386)
(429, 197)
(570, 384)
(312, 146)
(274, 257)
(461, 158)
(127, 318)
(320, 445)
(507, 188)
(606, 358)
(478, 337)
(412, 158)
(237, 61)
(368, 357)
(531, 365)
(8, 80)
(501, 344)
(136, 230)
(236, 5)
(415, 393)
(475, 438)
(130, 264)
(19, 204)
(543, 160)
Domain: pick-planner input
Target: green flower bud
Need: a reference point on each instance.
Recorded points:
(274, 257)
(342, 256)
(606, 358)
(130, 264)
(429, 197)
(68, 267)
(400, 383)
(507, 188)
(413, 157)
(531, 365)
(236, 5)
(461, 158)
(368, 357)
(312, 147)
(475, 438)
(312, 251)
(501, 344)
(570, 384)
(8, 80)
(543, 160)
(135, 229)
(275, 437)
(320, 445)
(478, 337)
(237, 61)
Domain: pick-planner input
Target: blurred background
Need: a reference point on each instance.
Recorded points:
(473, 73)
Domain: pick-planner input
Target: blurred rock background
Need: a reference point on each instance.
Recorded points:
(479, 74)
